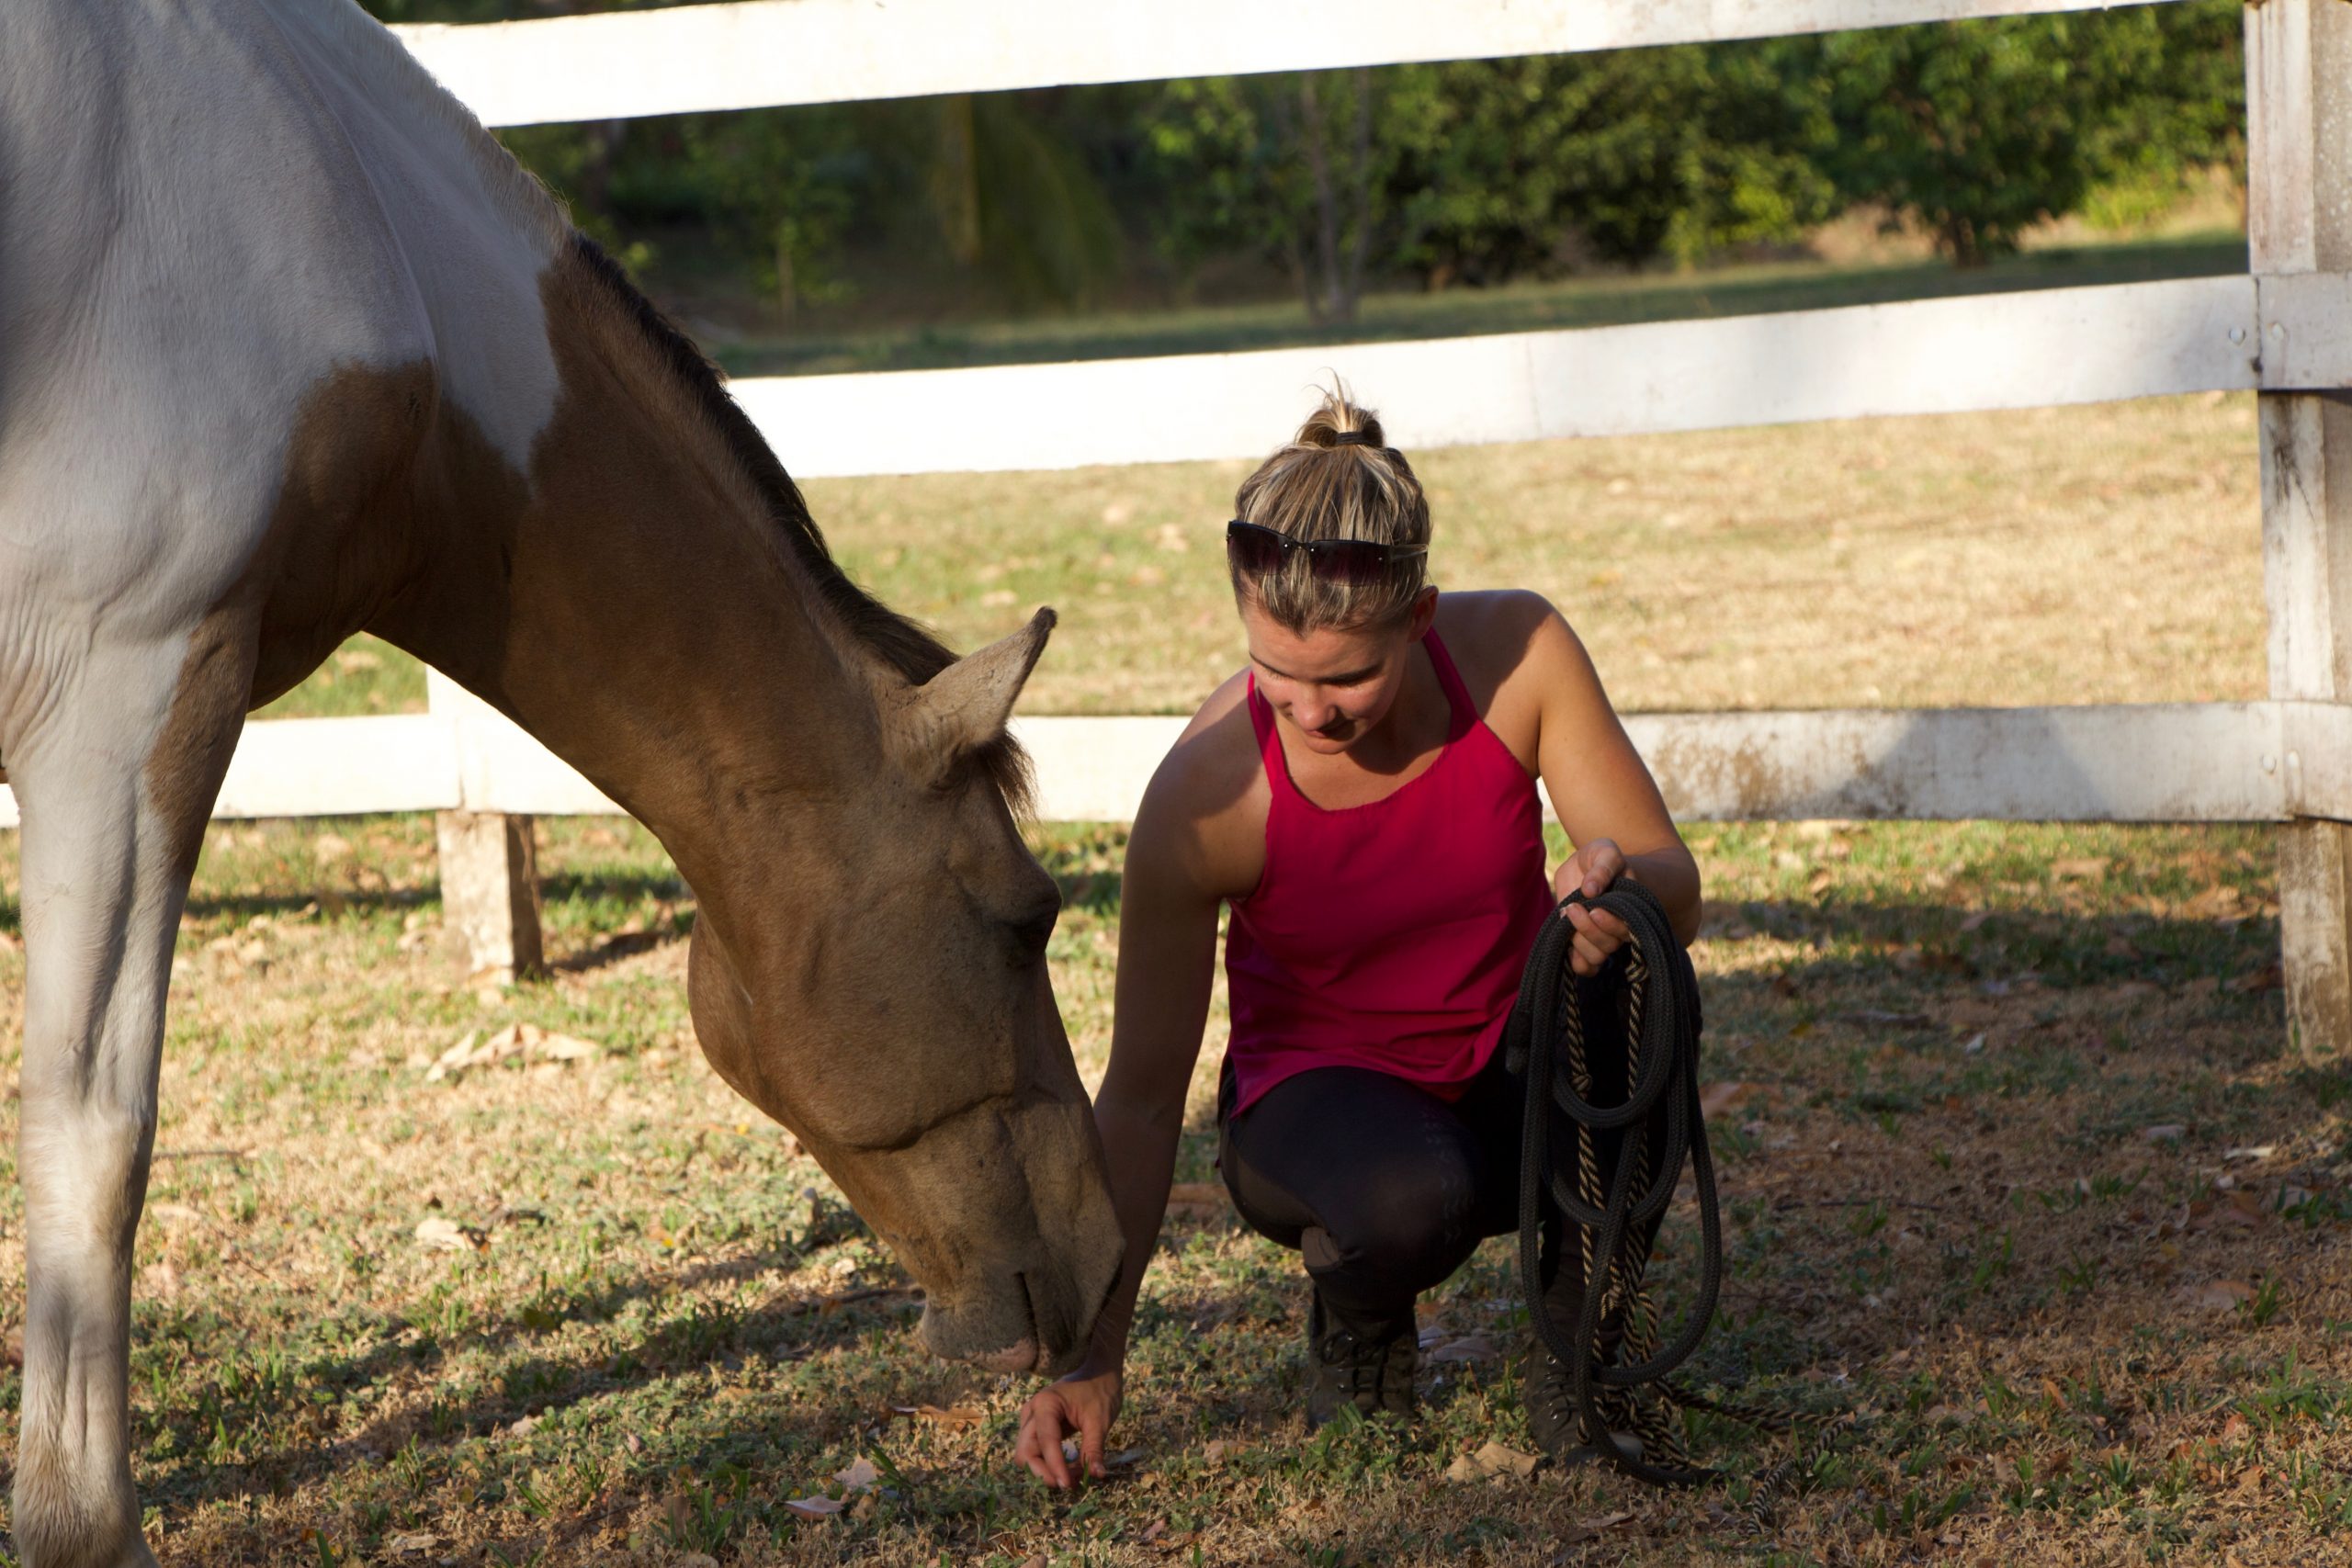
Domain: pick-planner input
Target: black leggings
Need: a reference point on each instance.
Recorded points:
(1386, 1189)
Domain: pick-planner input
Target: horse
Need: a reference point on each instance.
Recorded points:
(290, 348)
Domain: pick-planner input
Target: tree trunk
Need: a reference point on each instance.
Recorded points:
(1360, 179)
(956, 181)
(1327, 301)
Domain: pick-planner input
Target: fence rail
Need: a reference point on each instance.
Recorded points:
(2259, 762)
(2029, 349)
(769, 52)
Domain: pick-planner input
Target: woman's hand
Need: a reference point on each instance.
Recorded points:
(1085, 1403)
(1589, 871)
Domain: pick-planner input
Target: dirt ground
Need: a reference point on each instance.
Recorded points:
(2023, 1181)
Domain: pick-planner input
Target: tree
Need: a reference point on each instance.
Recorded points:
(1515, 166)
(1288, 166)
(1978, 130)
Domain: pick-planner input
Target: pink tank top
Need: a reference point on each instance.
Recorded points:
(1388, 935)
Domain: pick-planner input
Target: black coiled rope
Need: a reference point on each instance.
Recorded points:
(1545, 1041)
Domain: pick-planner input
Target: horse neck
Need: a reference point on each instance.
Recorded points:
(636, 605)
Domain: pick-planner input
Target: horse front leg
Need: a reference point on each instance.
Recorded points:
(115, 785)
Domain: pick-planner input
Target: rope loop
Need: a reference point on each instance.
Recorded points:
(1545, 1043)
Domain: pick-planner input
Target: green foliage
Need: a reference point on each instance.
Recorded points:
(1014, 196)
(1294, 168)
(1977, 130)
(1474, 171)
(1528, 165)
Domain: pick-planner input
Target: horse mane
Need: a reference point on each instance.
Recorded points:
(900, 643)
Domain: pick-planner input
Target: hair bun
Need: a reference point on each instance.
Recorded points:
(1340, 421)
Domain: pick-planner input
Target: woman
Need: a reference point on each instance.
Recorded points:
(1363, 796)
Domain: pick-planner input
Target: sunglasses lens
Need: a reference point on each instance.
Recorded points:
(1351, 561)
(1254, 550)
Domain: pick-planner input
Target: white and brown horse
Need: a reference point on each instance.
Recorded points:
(290, 347)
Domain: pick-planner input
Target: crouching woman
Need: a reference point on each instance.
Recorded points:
(1362, 796)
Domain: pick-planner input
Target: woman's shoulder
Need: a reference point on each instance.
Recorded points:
(1208, 796)
(1499, 637)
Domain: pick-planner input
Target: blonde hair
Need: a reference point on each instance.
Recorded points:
(1321, 488)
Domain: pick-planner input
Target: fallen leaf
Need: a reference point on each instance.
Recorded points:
(1976, 920)
(566, 1048)
(2269, 977)
(954, 1417)
(440, 1235)
(2081, 867)
(1587, 1529)
(2217, 1295)
(2253, 1151)
(1220, 1451)
(1718, 1098)
(1469, 1348)
(1197, 1200)
(2165, 1132)
(1492, 1460)
(814, 1507)
(454, 1059)
(405, 1545)
(860, 1475)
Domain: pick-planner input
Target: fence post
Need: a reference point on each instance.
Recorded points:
(490, 871)
(489, 890)
(2299, 219)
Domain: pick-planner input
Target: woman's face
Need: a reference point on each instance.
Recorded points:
(1334, 685)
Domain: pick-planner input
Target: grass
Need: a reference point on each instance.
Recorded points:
(1749, 288)
(2102, 554)
(1938, 1049)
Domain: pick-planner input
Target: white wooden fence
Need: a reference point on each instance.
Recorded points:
(2284, 331)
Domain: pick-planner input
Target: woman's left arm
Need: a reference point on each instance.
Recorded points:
(1607, 801)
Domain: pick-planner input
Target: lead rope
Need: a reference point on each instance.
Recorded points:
(1622, 1383)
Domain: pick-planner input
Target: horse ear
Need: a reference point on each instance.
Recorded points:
(968, 705)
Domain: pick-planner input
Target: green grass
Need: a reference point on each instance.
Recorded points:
(1584, 301)
(1941, 1212)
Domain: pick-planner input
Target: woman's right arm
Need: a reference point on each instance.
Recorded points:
(1166, 959)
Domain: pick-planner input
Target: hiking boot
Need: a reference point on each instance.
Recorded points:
(1350, 1371)
(1547, 1384)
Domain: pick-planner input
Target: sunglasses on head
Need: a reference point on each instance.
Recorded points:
(1260, 551)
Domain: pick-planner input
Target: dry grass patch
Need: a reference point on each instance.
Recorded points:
(2101, 554)
(2016, 1164)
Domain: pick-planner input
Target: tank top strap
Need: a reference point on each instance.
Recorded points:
(1457, 695)
(1270, 744)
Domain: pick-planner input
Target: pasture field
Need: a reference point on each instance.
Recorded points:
(2020, 1171)
(2102, 554)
